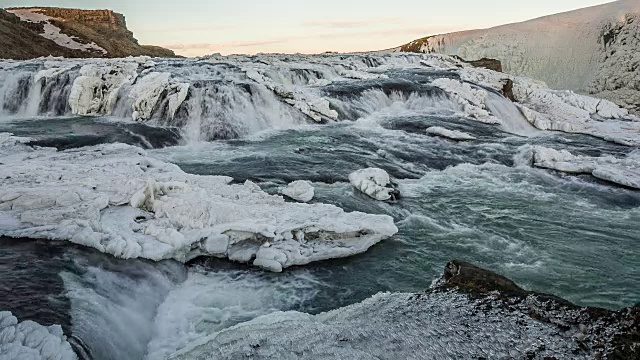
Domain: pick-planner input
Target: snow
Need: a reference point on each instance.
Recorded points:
(28, 340)
(300, 190)
(625, 171)
(450, 134)
(374, 182)
(227, 97)
(432, 325)
(116, 199)
(315, 107)
(591, 51)
(52, 32)
(471, 99)
(544, 108)
(145, 95)
(95, 91)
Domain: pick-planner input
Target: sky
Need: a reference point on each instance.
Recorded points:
(199, 27)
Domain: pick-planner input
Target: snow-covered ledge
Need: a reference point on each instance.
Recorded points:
(116, 199)
(30, 340)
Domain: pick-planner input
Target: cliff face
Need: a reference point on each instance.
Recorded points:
(593, 51)
(33, 32)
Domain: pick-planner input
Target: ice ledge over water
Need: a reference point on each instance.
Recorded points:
(116, 199)
(31, 341)
(625, 171)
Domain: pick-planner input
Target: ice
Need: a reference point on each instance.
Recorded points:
(146, 94)
(232, 96)
(28, 340)
(374, 182)
(118, 200)
(591, 51)
(434, 325)
(450, 134)
(625, 171)
(544, 108)
(472, 100)
(96, 90)
(300, 190)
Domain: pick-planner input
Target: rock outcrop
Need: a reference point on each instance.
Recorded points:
(593, 51)
(27, 33)
(604, 334)
(471, 313)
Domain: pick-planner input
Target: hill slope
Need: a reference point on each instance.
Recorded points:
(33, 32)
(594, 50)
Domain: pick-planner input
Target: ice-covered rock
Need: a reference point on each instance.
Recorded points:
(300, 190)
(231, 96)
(96, 90)
(118, 200)
(544, 108)
(28, 340)
(625, 172)
(450, 134)
(470, 313)
(147, 91)
(472, 100)
(374, 182)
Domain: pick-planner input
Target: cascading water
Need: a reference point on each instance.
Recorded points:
(479, 200)
(210, 99)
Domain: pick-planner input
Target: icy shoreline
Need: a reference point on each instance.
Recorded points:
(623, 172)
(119, 201)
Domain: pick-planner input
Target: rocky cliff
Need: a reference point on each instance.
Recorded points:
(593, 51)
(33, 32)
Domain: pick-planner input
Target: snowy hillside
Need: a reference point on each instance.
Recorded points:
(591, 51)
(27, 33)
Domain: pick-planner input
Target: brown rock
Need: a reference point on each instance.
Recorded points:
(107, 29)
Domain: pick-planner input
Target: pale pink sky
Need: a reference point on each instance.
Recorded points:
(199, 27)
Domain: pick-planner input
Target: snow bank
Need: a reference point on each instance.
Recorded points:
(31, 341)
(374, 182)
(450, 134)
(300, 190)
(117, 200)
(625, 172)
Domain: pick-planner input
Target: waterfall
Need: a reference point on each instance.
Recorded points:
(221, 98)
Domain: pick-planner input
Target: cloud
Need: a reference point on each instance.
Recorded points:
(225, 45)
(187, 29)
(348, 24)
